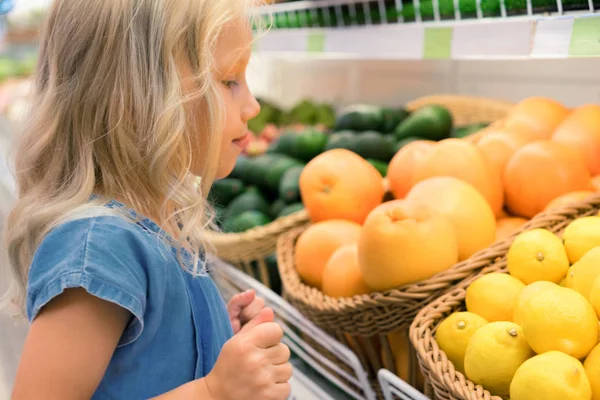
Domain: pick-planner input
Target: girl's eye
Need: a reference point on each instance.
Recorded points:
(231, 84)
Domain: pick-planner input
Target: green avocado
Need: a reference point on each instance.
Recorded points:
(429, 122)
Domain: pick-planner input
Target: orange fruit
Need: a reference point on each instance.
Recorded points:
(499, 145)
(401, 168)
(538, 173)
(581, 131)
(316, 245)
(342, 276)
(467, 210)
(401, 348)
(507, 226)
(503, 214)
(538, 116)
(403, 244)
(595, 183)
(463, 160)
(568, 198)
(340, 184)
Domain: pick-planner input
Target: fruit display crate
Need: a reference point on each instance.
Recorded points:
(444, 380)
(394, 388)
(438, 29)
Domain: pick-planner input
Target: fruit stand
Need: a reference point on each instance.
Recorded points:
(419, 202)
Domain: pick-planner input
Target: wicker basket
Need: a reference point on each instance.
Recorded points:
(445, 381)
(248, 250)
(466, 109)
(364, 322)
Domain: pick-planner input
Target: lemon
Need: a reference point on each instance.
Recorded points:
(595, 296)
(581, 236)
(537, 255)
(494, 354)
(557, 318)
(551, 376)
(454, 333)
(526, 294)
(494, 296)
(592, 369)
(582, 275)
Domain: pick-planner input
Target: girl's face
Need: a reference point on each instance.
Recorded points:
(233, 50)
(232, 56)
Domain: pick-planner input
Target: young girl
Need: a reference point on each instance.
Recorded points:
(135, 99)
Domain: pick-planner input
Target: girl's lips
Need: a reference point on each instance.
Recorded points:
(244, 141)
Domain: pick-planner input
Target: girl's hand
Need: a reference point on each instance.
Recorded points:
(253, 364)
(242, 308)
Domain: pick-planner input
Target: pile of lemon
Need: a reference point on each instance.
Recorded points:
(533, 333)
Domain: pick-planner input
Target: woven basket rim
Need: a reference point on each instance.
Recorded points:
(273, 228)
(455, 98)
(434, 362)
(319, 302)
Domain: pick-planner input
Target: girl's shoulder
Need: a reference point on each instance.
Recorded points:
(110, 256)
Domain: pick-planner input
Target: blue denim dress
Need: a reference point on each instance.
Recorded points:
(179, 322)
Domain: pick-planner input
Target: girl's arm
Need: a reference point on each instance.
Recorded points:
(72, 340)
(69, 346)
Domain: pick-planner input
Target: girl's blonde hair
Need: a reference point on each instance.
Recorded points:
(109, 118)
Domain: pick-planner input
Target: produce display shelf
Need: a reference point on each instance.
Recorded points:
(314, 371)
(395, 388)
(538, 37)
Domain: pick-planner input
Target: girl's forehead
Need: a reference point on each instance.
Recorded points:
(234, 46)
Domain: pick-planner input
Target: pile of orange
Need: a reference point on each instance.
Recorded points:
(454, 197)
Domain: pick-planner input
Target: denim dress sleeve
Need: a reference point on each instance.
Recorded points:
(101, 257)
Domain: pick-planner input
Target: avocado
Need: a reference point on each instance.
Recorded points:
(309, 144)
(224, 190)
(289, 186)
(276, 208)
(429, 122)
(403, 142)
(380, 166)
(392, 118)
(290, 209)
(360, 118)
(304, 145)
(466, 130)
(250, 200)
(240, 170)
(276, 170)
(375, 145)
(258, 167)
(245, 221)
(342, 140)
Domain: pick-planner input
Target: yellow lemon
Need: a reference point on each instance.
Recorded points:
(557, 318)
(537, 255)
(582, 275)
(581, 236)
(595, 296)
(526, 294)
(551, 376)
(454, 333)
(494, 354)
(592, 369)
(494, 296)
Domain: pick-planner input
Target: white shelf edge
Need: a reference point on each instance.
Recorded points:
(485, 39)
